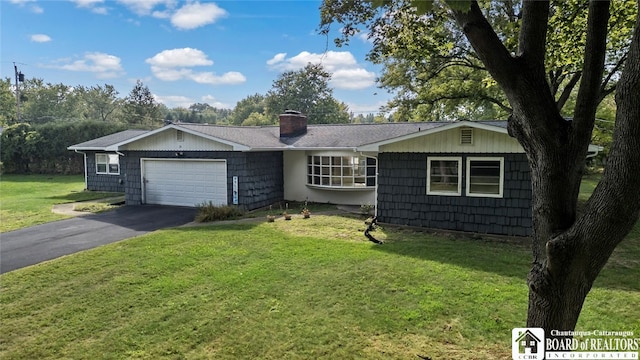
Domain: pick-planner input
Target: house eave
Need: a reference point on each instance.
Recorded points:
(87, 148)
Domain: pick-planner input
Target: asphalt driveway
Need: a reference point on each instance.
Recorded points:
(35, 244)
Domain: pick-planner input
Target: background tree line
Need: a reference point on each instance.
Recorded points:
(52, 117)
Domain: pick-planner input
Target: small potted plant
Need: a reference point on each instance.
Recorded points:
(270, 217)
(306, 213)
(286, 214)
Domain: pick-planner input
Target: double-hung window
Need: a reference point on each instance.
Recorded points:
(341, 171)
(444, 176)
(107, 164)
(485, 176)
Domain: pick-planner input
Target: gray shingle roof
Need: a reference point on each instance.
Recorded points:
(102, 142)
(251, 136)
(354, 135)
(342, 136)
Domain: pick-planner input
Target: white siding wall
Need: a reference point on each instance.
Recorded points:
(168, 140)
(296, 189)
(448, 141)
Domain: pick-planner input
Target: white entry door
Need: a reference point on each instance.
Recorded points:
(184, 182)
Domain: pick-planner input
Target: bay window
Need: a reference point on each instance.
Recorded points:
(341, 171)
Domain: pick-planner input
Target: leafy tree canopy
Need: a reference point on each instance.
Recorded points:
(306, 90)
(436, 74)
(140, 107)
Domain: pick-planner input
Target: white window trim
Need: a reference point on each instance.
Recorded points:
(444, 158)
(468, 180)
(106, 172)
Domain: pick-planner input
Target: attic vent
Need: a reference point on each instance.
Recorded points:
(179, 135)
(466, 136)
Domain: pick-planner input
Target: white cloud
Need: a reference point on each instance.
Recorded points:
(353, 79)
(145, 7)
(32, 5)
(176, 64)
(172, 101)
(231, 77)
(366, 108)
(41, 38)
(331, 60)
(209, 99)
(185, 57)
(346, 72)
(194, 15)
(364, 36)
(166, 14)
(93, 5)
(104, 66)
(277, 59)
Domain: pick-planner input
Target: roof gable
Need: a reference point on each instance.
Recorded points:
(437, 127)
(167, 131)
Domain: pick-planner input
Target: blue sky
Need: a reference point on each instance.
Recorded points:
(184, 51)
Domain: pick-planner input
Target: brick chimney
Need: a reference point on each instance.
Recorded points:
(292, 124)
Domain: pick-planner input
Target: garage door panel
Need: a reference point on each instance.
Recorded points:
(185, 182)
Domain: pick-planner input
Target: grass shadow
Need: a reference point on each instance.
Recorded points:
(504, 256)
(84, 196)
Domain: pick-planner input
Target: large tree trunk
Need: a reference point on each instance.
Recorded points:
(565, 268)
(569, 249)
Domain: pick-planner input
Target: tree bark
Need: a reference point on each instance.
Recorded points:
(568, 250)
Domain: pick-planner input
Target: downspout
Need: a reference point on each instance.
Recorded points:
(373, 224)
(375, 191)
(86, 183)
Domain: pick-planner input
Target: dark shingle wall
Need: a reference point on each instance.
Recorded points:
(102, 182)
(260, 179)
(403, 199)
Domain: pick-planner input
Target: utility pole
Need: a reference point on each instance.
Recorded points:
(19, 79)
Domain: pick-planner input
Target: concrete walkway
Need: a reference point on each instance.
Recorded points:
(69, 208)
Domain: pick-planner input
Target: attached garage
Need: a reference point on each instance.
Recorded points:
(184, 182)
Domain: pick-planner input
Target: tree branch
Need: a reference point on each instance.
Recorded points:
(589, 91)
(566, 93)
(487, 45)
(615, 202)
(612, 72)
(605, 92)
(533, 33)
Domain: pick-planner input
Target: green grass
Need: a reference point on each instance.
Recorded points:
(94, 207)
(26, 200)
(300, 289)
(588, 184)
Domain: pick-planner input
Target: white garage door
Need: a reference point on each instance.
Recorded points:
(184, 182)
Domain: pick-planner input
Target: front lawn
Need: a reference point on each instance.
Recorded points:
(27, 200)
(300, 289)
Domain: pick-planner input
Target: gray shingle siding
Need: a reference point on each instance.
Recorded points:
(403, 199)
(102, 182)
(260, 178)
